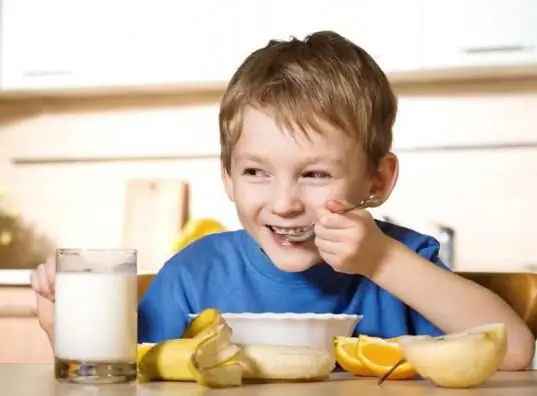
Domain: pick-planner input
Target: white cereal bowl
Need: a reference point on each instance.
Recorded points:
(307, 329)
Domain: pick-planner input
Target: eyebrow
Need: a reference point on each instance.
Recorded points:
(317, 159)
(305, 162)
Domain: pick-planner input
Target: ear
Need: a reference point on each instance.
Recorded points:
(385, 178)
(227, 180)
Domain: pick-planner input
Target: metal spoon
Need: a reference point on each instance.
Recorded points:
(310, 232)
(363, 204)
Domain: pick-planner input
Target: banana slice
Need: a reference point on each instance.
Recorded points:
(274, 362)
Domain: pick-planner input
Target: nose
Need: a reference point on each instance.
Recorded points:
(286, 202)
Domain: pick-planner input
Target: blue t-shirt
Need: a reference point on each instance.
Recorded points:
(230, 272)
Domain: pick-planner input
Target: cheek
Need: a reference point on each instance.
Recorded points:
(249, 200)
(317, 195)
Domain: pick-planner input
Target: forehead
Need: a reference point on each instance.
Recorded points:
(263, 135)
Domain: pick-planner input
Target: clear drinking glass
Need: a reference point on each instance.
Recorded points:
(95, 328)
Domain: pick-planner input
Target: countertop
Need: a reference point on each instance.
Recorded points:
(21, 277)
(22, 380)
(14, 277)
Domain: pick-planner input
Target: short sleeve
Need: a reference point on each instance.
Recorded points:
(429, 250)
(162, 311)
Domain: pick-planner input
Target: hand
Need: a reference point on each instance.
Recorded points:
(42, 280)
(351, 242)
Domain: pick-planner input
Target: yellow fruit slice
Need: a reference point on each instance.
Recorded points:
(195, 229)
(381, 355)
(346, 353)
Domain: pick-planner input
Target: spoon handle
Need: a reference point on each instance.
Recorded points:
(364, 203)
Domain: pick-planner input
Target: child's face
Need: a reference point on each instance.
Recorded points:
(280, 178)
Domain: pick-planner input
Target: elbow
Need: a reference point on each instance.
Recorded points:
(520, 353)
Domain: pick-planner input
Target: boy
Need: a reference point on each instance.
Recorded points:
(306, 132)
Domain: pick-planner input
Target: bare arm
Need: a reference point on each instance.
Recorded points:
(42, 280)
(45, 314)
(425, 288)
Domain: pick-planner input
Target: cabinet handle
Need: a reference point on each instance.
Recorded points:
(500, 48)
(531, 267)
(32, 74)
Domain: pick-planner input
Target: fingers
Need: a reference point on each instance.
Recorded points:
(336, 206)
(42, 280)
(330, 219)
(327, 246)
(45, 313)
(329, 230)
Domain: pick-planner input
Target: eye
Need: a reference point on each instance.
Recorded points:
(253, 172)
(317, 174)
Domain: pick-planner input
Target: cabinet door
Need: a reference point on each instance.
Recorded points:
(98, 44)
(159, 43)
(479, 33)
(389, 30)
(38, 43)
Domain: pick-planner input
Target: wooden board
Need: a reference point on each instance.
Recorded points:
(155, 212)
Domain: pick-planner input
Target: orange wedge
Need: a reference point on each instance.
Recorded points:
(346, 354)
(380, 355)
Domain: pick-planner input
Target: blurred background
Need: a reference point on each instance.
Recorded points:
(109, 135)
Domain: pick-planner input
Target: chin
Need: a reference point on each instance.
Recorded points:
(291, 258)
(287, 266)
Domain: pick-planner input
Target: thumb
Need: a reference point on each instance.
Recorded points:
(338, 205)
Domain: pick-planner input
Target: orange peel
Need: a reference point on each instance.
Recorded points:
(368, 356)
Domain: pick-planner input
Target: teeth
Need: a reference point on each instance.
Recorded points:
(290, 231)
(298, 234)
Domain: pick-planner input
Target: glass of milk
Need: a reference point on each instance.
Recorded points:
(96, 300)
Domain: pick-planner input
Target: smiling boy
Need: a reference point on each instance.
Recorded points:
(306, 131)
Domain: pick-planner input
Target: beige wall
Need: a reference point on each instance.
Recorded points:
(485, 195)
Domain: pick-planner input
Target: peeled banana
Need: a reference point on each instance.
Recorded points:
(205, 345)
(205, 354)
(170, 360)
(274, 362)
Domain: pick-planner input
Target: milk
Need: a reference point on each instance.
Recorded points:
(96, 317)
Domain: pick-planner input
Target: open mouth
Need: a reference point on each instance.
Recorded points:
(293, 234)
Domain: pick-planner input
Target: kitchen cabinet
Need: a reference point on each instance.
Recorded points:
(389, 30)
(38, 47)
(368, 23)
(160, 42)
(61, 44)
(475, 33)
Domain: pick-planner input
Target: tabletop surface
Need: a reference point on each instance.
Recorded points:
(22, 380)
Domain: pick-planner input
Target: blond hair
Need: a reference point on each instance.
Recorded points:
(323, 77)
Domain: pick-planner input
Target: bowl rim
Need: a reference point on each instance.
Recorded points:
(286, 315)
